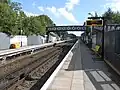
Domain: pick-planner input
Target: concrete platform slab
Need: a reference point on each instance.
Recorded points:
(82, 71)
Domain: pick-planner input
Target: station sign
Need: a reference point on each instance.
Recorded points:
(94, 23)
(66, 28)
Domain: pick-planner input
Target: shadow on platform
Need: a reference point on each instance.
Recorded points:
(95, 70)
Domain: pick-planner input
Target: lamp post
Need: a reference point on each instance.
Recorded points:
(91, 31)
(21, 31)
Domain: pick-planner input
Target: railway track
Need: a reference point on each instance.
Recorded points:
(15, 70)
(23, 72)
(38, 69)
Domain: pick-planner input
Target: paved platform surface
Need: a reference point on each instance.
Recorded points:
(84, 71)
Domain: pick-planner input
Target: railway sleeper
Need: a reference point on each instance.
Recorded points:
(25, 70)
(34, 79)
(47, 66)
(23, 63)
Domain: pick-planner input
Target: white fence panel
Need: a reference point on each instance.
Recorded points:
(4, 41)
(35, 40)
(19, 39)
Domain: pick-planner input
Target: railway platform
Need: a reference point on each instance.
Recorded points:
(81, 70)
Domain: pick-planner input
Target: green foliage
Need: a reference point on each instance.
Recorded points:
(112, 17)
(108, 16)
(13, 20)
(7, 18)
(36, 25)
(116, 18)
(15, 6)
(3, 1)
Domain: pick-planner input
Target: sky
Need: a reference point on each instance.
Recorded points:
(68, 12)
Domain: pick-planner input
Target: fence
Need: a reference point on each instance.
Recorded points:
(111, 44)
(4, 41)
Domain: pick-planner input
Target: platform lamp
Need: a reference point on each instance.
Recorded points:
(91, 31)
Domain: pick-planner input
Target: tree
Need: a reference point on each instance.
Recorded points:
(112, 17)
(109, 16)
(116, 18)
(36, 25)
(7, 18)
(3, 1)
(20, 17)
(44, 21)
(16, 6)
(13, 20)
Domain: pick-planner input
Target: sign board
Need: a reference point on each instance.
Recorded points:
(94, 23)
(66, 28)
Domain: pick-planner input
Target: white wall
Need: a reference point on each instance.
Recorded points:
(19, 39)
(52, 38)
(4, 41)
(35, 40)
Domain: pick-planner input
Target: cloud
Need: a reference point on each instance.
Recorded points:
(71, 3)
(113, 4)
(52, 9)
(30, 14)
(41, 8)
(68, 15)
(65, 11)
(33, 4)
